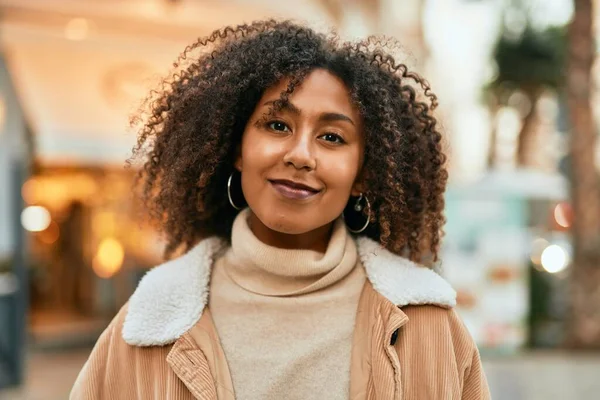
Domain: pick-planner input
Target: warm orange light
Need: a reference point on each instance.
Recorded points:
(104, 223)
(562, 215)
(28, 191)
(109, 258)
(51, 234)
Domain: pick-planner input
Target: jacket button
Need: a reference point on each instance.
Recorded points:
(394, 337)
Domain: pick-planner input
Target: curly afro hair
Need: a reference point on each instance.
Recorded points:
(192, 127)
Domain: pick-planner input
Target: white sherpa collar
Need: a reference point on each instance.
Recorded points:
(170, 298)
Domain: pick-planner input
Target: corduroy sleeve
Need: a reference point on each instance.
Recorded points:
(109, 372)
(475, 385)
(90, 383)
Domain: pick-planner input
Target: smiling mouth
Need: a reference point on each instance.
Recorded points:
(293, 190)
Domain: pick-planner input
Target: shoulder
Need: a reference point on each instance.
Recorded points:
(109, 353)
(437, 345)
(442, 329)
(113, 363)
(444, 318)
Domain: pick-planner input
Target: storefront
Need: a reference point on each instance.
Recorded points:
(89, 245)
(507, 253)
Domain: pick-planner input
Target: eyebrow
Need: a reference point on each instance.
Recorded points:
(326, 116)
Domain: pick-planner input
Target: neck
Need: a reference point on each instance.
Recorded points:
(315, 240)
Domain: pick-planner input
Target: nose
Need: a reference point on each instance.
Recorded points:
(300, 154)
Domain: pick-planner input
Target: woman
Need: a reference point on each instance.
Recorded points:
(302, 178)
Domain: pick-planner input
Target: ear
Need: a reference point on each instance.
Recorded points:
(359, 185)
(357, 189)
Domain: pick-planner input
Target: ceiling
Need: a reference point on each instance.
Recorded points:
(81, 68)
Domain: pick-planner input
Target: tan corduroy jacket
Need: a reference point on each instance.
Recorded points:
(408, 341)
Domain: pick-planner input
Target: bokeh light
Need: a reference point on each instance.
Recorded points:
(554, 259)
(109, 258)
(28, 191)
(35, 218)
(562, 215)
(50, 234)
(537, 248)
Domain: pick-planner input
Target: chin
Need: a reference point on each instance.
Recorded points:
(287, 224)
(285, 220)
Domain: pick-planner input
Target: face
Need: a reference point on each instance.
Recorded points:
(300, 166)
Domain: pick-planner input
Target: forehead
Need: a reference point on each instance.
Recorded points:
(319, 92)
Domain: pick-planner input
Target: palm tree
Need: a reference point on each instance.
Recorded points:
(584, 324)
(531, 63)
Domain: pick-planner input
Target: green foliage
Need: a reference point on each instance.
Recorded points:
(534, 59)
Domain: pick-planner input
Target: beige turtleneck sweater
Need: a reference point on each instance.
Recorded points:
(285, 318)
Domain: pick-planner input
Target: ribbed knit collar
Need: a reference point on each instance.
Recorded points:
(272, 271)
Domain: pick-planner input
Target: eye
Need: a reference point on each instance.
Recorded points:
(333, 138)
(278, 126)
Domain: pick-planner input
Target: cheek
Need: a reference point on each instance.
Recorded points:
(258, 156)
(258, 153)
(342, 171)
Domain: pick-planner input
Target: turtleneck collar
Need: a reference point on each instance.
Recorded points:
(272, 271)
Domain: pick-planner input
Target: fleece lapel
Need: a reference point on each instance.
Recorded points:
(171, 298)
(402, 281)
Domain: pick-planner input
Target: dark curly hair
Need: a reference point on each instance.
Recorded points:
(191, 130)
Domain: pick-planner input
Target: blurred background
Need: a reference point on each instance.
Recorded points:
(519, 105)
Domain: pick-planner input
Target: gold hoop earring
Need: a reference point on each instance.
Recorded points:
(358, 208)
(229, 192)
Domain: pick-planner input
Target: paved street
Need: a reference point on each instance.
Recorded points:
(544, 376)
(534, 376)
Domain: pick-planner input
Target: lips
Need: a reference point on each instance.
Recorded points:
(294, 190)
